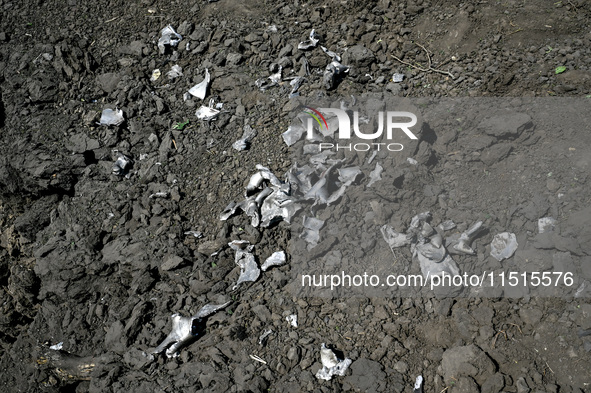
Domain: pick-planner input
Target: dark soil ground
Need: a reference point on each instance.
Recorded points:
(89, 259)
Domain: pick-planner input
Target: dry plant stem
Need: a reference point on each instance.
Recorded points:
(429, 68)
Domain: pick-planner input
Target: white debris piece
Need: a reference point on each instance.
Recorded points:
(273, 80)
(311, 232)
(331, 365)
(546, 224)
(162, 194)
(310, 43)
(200, 89)
(58, 346)
(175, 72)
(185, 329)
(111, 117)
(263, 337)
(292, 319)
(293, 134)
(503, 246)
(168, 37)
(155, 75)
(276, 259)
(375, 175)
(427, 244)
(122, 165)
(249, 270)
(418, 385)
(247, 136)
(412, 161)
(195, 234)
(207, 113)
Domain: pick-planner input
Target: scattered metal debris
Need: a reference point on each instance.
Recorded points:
(331, 365)
(200, 89)
(276, 259)
(292, 319)
(264, 336)
(461, 244)
(122, 165)
(546, 224)
(168, 37)
(111, 117)
(185, 329)
(427, 244)
(503, 246)
(247, 136)
(310, 43)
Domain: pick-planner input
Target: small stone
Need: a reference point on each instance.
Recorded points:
(552, 185)
(172, 262)
(233, 59)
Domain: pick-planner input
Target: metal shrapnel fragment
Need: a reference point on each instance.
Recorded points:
(111, 117)
(292, 319)
(503, 246)
(276, 259)
(264, 336)
(122, 166)
(331, 365)
(185, 329)
(200, 89)
(310, 43)
(208, 113)
(168, 37)
(175, 72)
(247, 136)
(397, 78)
(418, 385)
(249, 270)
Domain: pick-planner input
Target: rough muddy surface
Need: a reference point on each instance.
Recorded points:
(99, 262)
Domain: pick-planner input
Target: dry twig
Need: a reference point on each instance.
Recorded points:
(429, 68)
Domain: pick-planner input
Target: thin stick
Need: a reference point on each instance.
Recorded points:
(428, 69)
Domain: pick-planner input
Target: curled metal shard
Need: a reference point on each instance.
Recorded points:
(200, 89)
(310, 43)
(168, 37)
(184, 329)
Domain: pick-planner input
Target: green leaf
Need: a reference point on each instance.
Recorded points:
(179, 126)
(560, 69)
